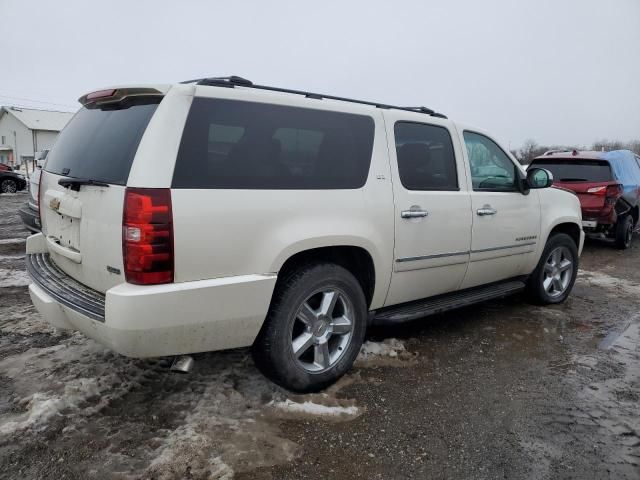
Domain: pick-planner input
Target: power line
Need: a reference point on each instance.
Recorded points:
(37, 101)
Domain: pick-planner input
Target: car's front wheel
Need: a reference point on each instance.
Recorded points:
(8, 186)
(314, 329)
(555, 274)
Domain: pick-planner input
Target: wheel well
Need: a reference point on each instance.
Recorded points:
(355, 259)
(570, 229)
(635, 214)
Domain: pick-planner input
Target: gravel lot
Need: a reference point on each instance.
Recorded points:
(502, 390)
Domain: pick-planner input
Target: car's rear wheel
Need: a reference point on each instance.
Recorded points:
(314, 329)
(555, 274)
(8, 186)
(624, 232)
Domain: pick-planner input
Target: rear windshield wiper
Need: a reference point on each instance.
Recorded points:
(75, 183)
(573, 179)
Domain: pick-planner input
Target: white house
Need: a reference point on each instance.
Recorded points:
(24, 131)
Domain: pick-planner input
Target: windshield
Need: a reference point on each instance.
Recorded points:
(100, 143)
(576, 170)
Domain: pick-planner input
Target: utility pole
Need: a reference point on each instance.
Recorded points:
(15, 149)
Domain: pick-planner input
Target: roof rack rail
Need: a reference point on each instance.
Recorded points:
(234, 80)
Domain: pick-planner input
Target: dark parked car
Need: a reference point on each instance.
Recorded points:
(608, 186)
(11, 182)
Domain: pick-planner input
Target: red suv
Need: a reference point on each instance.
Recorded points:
(608, 186)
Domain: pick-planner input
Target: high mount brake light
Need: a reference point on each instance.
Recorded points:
(101, 94)
(147, 236)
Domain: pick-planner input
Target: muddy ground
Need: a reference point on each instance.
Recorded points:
(502, 390)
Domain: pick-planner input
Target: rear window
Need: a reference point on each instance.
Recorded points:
(100, 143)
(576, 170)
(230, 144)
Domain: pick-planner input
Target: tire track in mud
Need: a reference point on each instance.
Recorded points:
(599, 405)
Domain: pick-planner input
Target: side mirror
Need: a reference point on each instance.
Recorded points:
(539, 178)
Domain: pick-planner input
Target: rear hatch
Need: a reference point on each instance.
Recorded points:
(83, 188)
(584, 177)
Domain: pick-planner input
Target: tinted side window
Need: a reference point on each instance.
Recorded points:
(491, 168)
(247, 145)
(426, 160)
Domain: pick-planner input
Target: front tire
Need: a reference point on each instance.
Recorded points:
(552, 280)
(8, 186)
(314, 329)
(624, 232)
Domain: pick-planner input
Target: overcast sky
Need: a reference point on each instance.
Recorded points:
(559, 71)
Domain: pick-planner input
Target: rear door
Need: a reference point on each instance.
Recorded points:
(82, 224)
(432, 208)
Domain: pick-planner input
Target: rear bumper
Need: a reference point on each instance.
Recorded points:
(158, 320)
(30, 218)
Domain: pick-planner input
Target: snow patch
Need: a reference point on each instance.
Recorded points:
(223, 430)
(609, 282)
(13, 278)
(315, 408)
(12, 257)
(390, 352)
(390, 347)
(11, 241)
(75, 378)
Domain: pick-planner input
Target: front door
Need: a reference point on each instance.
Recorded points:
(506, 222)
(432, 208)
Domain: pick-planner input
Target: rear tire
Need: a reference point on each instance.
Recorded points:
(314, 329)
(8, 186)
(624, 232)
(552, 280)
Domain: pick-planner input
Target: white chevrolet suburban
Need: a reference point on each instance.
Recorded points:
(217, 214)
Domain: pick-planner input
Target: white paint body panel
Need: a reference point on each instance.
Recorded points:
(230, 244)
(431, 253)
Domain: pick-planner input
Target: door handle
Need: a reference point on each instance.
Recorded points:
(413, 213)
(486, 210)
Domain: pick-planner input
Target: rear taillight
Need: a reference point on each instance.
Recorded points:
(147, 236)
(39, 197)
(615, 191)
(611, 192)
(600, 191)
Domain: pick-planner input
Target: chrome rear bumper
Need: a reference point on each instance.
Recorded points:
(63, 288)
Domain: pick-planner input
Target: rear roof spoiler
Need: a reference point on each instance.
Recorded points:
(115, 95)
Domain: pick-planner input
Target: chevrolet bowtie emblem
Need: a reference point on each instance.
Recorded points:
(54, 204)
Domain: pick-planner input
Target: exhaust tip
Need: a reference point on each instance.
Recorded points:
(182, 364)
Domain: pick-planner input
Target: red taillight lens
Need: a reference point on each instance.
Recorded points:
(615, 191)
(612, 192)
(101, 94)
(147, 236)
(39, 196)
(600, 191)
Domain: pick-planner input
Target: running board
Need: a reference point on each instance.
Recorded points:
(442, 303)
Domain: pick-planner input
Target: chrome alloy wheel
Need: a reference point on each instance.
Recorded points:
(322, 330)
(558, 271)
